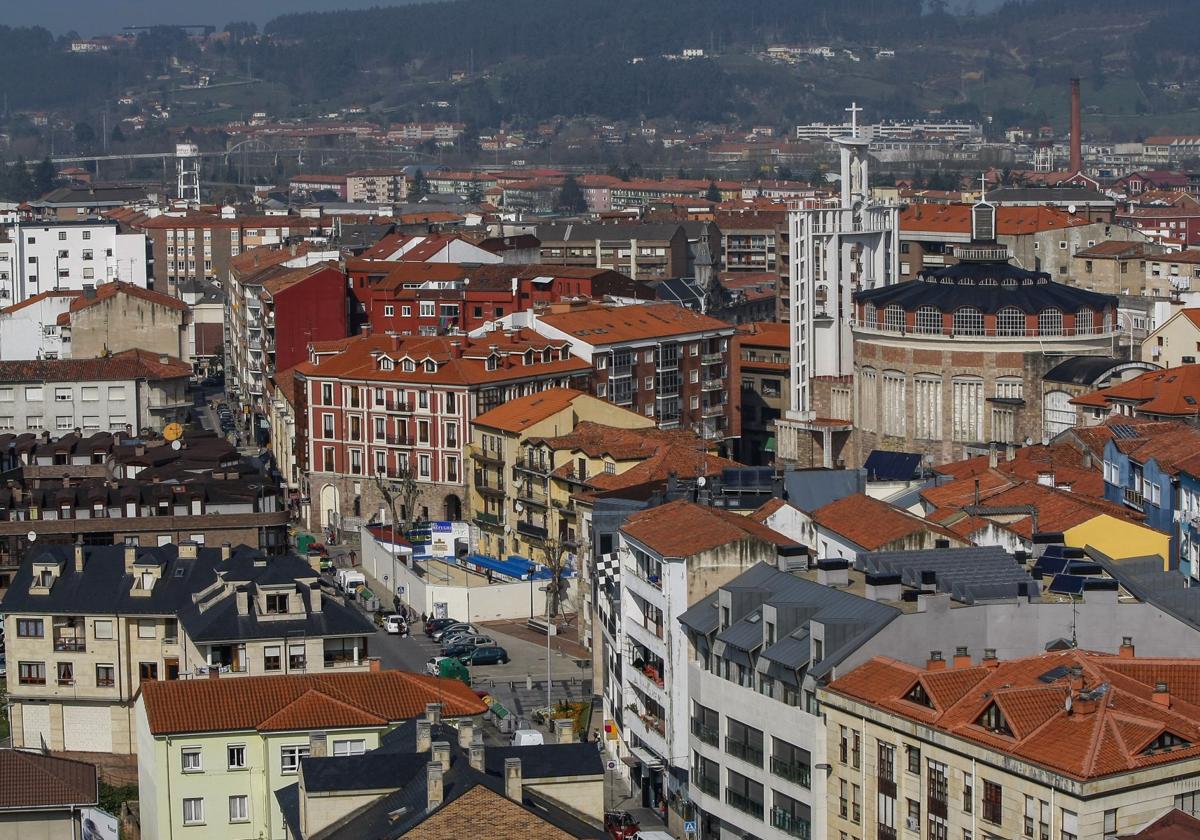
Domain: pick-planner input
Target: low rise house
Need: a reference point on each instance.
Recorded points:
(214, 752)
(857, 523)
(1176, 342)
(43, 796)
(89, 627)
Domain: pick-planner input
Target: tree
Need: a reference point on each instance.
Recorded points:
(401, 487)
(557, 553)
(713, 193)
(570, 197)
(420, 186)
(44, 176)
(84, 134)
(117, 135)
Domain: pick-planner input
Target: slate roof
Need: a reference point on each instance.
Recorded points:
(546, 761)
(812, 489)
(966, 290)
(1107, 728)
(30, 780)
(297, 702)
(967, 574)
(1086, 370)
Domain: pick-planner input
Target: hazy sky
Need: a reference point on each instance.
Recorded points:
(90, 17)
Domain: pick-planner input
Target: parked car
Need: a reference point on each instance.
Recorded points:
(449, 630)
(620, 825)
(395, 625)
(466, 640)
(438, 623)
(528, 738)
(485, 655)
(3, 666)
(457, 651)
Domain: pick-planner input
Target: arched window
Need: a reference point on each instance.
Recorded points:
(893, 318)
(1050, 322)
(868, 398)
(927, 406)
(1010, 321)
(895, 405)
(967, 399)
(929, 320)
(1008, 282)
(968, 321)
(1085, 321)
(869, 315)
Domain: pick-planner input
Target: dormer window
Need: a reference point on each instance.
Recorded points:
(44, 578)
(528, 360)
(430, 366)
(1165, 742)
(146, 581)
(917, 694)
(277, 604)
(386, 364)
(408, 366)
(546, 355)
(993, 720)
(492, 362)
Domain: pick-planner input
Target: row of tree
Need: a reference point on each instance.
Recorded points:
(21, 182)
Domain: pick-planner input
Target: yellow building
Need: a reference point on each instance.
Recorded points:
(1175, 343)
(212, 753)
(511, 492)
(1066, 745)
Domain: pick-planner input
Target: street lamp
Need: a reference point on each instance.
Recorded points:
(549, 664)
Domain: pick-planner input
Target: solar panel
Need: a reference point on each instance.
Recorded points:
(1121, 430)
(1067, 584)
(1055, 674)
(1051, 565)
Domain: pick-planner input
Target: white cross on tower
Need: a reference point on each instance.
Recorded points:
(853, 110)
(983, 186)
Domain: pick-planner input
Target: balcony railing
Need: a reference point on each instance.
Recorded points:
(654, 580)
(743, 803)
(712, 358)
(530, 530)
(341, 660)
(742, 750)
(70, 644)
(940, 330)
(790, 824)
(712, 385)
(801, 774)
(495, 520)
(1134, 498)
(716, 410)
(707, 734)
(885, 832)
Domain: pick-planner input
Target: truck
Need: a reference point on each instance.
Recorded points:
(348, 580)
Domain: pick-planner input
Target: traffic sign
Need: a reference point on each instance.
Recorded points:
(689, 827)
(611, 765)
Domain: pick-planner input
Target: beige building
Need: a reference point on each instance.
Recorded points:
(44, 797)
(512, 499)
(1120, 268)
(119, 316)
(87, 626)
(1069, 744)
(1175, 343)
(376, 186)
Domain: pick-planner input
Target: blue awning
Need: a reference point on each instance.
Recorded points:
(514, 567)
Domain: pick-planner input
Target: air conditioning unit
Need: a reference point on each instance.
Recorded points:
(912, 823)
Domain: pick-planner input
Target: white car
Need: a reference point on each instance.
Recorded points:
(432, 666)
(395, 625)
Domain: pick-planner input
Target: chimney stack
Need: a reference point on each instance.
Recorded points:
(439, 751)
(512, 780)
(989, 658)
(226, 550)
(1162, 695)
(424, 736)
(1126, 651)
(78, 557)
(130, 558)
(475, 756)
(1076, 130)
(936, 662)
(433, 713)
(433, 786)
(962, 659)
(466, 733)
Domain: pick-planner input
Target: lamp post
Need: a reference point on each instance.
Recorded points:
(549, 664)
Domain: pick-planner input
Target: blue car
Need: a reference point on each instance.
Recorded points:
(485, 655)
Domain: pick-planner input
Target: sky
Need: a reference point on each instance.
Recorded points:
(93, 17)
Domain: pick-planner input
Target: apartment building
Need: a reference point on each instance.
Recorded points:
(43, 256)
(128, 390)
(1121, 268)
(761, 370)
(643, 252)
(276, 304)
(1065, 744)
(670, 557)
(750, 241)
(212, 754)
(660, 360)
(516, 504)
(380, 407)
(1175, 343)
(377, 186)
(90, 626)
(305, 185)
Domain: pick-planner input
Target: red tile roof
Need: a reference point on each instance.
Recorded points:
(956, 218)
(1091, 737)
(1173, 825)
(129, 364)
(764, 334)
(31, 780)
(1172, 392)
(1063, 460)
(873, 524)
(298, 702)
(107, 291)
(519, 414)
(600, 325)
(684, 529)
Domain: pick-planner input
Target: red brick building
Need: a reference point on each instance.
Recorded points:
(375, 405)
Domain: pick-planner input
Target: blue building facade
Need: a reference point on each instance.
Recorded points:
(1147, 487)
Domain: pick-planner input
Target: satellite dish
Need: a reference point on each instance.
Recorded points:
(701, 481)
(518, 507)
(1071, 209)
(31, 536)
(176, 445)
(173, 431)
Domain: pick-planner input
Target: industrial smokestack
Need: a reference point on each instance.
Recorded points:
(1076, 130)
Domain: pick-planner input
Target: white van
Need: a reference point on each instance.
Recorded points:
(527, 738)
(349, 580)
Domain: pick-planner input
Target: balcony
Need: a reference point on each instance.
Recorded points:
(70, 644)
(396, 440)
(707, 734)
(885, 832)
(712, 358)
(1134, 499)
(799, 774)
(743, 803)
(488, 486)
(530, 465)
(712, 385)
(790, 824)
(742, 750)
(713, 410)
(528, 529)
(398, 406)
(489, 520)
(486, 457)
(654, 579)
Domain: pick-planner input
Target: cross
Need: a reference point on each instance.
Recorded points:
(983, 186)
(853, 110)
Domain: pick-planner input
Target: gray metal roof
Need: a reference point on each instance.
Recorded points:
(812, 489)
(1145, 579)
(968, 574)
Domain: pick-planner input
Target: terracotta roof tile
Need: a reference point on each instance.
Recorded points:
(873, 524)
(1084, 739)
(519, 414)
(1172, 392)
(300, 701)
(683, 529)
(129, 364)
(600, 325)
(33, 780)
(1010, 220)
(107, 291)
(1173, 825)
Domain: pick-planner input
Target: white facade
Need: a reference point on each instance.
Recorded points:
(31, 330)
(41, 256)
(61, 407)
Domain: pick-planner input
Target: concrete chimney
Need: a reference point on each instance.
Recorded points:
(935, 662)
(962, 659)
(466, 733)
(130, 558)
(564, 730)
(187, 550)
(833, 571)
(1126, 650)
(439, 751)
(475, 756)
(424, 736)
(433, 786)
(1076, 130)
(226, 550)
(512, 780)
(78, 557)
(243, 602)
(433, 713)
(1162, 695)
(989, 658)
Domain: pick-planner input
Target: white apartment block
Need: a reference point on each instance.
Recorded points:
(42, 256)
